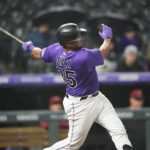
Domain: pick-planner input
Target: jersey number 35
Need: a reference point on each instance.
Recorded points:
(68, 77)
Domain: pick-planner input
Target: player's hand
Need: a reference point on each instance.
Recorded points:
(28, 46)
(106, 32)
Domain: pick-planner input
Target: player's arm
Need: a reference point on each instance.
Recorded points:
(106, 34)
(36, 53)
(29, 47)
(105, 48)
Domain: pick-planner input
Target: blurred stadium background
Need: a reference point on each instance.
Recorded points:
(31, 92)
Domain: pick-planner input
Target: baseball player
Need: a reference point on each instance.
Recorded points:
(83, 103)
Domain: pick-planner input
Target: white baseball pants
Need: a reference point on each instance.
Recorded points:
(82, 115)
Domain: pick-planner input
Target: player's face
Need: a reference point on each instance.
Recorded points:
(130, 59)
(130, 34)
(75, 45)
(43, 28)
(55, 107)
(136, 104)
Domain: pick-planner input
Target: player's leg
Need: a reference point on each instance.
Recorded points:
(81, 116)
(109, 119)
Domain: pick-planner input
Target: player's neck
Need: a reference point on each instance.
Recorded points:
(68, 50)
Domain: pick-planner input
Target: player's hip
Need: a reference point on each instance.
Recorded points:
(82, 108)
(81, 98)
(80, 103)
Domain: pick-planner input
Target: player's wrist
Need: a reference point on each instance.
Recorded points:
(108, 40)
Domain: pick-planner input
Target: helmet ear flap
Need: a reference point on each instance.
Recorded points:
(63, 44)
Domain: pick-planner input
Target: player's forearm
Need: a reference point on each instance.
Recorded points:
(106, 34)
(105, 48)
(36, 53)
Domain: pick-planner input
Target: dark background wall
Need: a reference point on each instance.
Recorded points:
(27, 98)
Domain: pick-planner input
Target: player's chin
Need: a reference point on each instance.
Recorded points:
(77, 47)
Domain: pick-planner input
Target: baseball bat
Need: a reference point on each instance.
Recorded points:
(10, 35)
(100, 28)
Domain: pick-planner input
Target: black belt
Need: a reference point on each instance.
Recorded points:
(85, 97)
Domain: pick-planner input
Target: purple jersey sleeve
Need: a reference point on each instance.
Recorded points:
(47, 53)
(94, 58)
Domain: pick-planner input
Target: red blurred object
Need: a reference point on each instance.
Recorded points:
(63, 124)
(137, 93)
(44, 124)
(55, 99)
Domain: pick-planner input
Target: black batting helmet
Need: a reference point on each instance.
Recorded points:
(70, 32)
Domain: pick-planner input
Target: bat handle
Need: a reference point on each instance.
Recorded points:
(100, 28)
(20, 41)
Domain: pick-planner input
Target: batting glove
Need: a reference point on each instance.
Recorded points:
(106, 32)
(28, 46)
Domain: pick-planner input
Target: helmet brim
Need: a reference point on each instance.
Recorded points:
(83, 33)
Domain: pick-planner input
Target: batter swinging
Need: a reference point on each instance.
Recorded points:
(83, 103)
